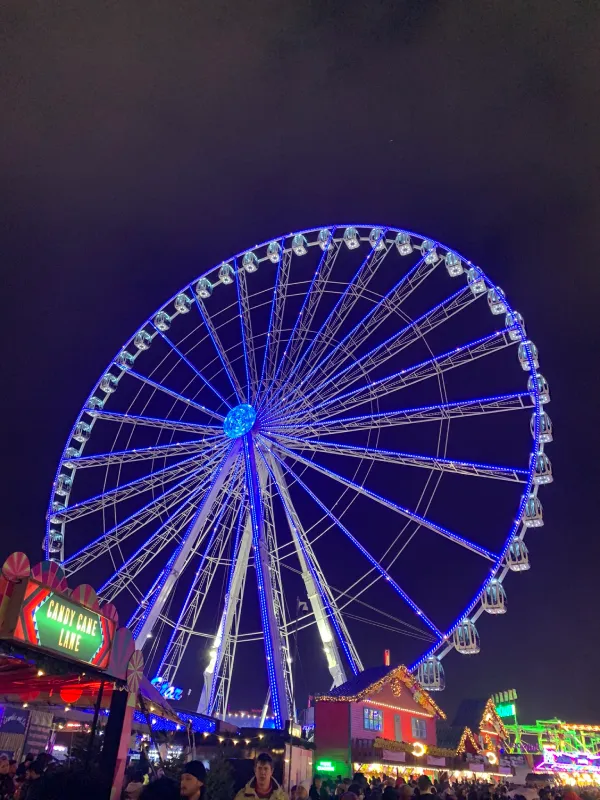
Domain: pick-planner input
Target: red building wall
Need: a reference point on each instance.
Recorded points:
(390, 705)
(332, 731)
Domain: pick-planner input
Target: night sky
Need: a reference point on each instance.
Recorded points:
(141, 143)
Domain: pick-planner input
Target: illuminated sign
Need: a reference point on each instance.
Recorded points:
(556, 761)
(56, 623)
(506, 710)
(166, 690)
(325, 766)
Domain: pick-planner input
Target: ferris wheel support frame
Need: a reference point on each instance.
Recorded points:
(334, 661)
(173, 569)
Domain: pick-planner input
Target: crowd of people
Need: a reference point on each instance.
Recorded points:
(38, 778)
(442, 788)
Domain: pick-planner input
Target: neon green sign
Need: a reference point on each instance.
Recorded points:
(325, 766)
(506, 710)
(64, 626)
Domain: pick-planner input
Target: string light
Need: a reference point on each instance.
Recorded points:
(419, 749)
(401, 673)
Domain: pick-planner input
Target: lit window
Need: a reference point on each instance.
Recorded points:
(372, 719)
(419, 728)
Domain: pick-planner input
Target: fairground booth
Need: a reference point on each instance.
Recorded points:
(383, 722)
(67, 665)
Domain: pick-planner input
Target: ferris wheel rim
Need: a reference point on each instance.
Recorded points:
(531, 488)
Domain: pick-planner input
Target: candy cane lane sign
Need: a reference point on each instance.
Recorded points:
(56, 623)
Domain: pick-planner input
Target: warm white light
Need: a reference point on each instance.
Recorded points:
(419, 749)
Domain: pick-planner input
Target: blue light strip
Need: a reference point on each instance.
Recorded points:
(316, 580)
(519, 516)
(270, 328)
(243, 329)
(167, 571)
(355, 363)
(408, 370)
(217, 348)
(184, 608)
(365, 552)
(255, 499)
(340, 300)
(144, 546)
(371, 451)
(152, 421)
(235, 556)
(404, 411)
(379, 498)
(361, 324)
(298, 318)
(131, 517)
(155, 449)
(190, 365)
(172, 393)
(136, 481)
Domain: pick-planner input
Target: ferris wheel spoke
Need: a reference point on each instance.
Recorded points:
(272, 642)
(221, 351)
(319, 594)
(274, 330)
(432, 367)
(405, 512)
(134, 522)
(217, 674)
(200, 585)
(346, 302)
(157, 597)
(126, 575)
(140, 485)
(175, 395)
(247, 336)
(196, 371)
(512, 474)
(373, 561)
(302, 325)
(155, 422)
(144, 453)
(388, 305)
(516, 401)
(361, 367)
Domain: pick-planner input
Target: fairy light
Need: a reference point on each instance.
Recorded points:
(419, 749)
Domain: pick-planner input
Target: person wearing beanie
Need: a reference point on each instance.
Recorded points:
(193, 778)
(263, 786)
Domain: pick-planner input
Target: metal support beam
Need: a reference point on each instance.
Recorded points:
(153, 612)
(273, 647)
(221, 641)
(334, 662)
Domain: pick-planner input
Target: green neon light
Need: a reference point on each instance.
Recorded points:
(68, 628)
(325, 766)
(506, 710)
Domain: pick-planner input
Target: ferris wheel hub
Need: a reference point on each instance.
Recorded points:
(239, 421)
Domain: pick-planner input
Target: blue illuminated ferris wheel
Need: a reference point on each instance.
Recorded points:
(326, 413)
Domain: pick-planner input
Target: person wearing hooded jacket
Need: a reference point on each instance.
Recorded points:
(263, 785)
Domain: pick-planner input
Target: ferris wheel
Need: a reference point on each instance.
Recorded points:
(307, 418)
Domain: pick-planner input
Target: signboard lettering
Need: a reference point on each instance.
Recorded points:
(57, 623)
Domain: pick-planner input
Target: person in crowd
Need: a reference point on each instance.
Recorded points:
(357, 789)
(341, 788)
(7, 784)
(293, 791)
(424, 785)
(390, 793)
(193, 781)
(12, 768)
(315, 789)
(162, 788)
(33, 786)
(263, 784)
(301, 792)
(134, 783)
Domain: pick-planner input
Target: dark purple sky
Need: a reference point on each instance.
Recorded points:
(143, 142)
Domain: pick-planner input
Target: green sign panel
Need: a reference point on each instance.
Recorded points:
(325, 766)
(57, 623)
(506, 710)
(67, 627)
